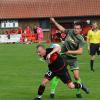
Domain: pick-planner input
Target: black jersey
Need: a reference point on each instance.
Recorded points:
(56, 62)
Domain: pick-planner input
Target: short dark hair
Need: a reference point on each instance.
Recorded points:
(94, 22)
(78, 23)
(40, 45)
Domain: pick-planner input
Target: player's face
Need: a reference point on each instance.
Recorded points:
(94, 25)
(41, 51)
(77, 29)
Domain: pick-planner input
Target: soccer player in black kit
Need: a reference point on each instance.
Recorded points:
(57, 67)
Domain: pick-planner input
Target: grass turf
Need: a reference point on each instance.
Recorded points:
(21, 73)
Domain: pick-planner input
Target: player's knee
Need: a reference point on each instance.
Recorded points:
(76, 77)
(93, 57)
(71, 85)
(44, 82)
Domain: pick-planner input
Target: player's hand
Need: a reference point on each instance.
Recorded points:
(88, 49)
(48, 56)
(99, 48)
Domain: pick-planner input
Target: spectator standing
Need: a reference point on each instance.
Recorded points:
(40, 34)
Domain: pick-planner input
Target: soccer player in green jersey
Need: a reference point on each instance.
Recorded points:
(72, 47)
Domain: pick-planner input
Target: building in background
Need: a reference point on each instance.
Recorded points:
(23, 13)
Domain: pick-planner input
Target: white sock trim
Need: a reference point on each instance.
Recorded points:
(39, 96)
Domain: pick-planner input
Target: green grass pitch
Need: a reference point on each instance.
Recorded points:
(21, 73)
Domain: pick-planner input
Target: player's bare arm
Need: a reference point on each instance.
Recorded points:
(56, 49)
(88, 44)
(61, 28)
(99, 44)
(77, 52)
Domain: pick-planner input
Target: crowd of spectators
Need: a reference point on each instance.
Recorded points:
(28, 35)
(35, 34)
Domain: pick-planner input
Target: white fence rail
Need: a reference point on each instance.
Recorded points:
(10, 38)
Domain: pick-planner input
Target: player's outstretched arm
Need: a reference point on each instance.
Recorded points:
(56, 49)
(61, 28)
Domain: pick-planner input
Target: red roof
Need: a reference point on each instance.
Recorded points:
(47, 8)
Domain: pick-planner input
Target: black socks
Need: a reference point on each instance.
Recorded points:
(91, 65)
(77, 85)
(41, 90)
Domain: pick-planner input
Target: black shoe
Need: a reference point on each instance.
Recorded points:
(52, 95)
(37, 98)
(78, 95)
(85, 89)
(92, 70)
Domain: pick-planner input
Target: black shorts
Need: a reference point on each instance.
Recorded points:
(63, 75)
(94, 48)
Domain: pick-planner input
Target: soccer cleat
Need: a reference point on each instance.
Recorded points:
(85, 89)
(78, 95)
(37, 98)
(92, 70)
(52, 95)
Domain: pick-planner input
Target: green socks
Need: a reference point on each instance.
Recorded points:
(54, 84)
(55, 81)
(78, 81)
